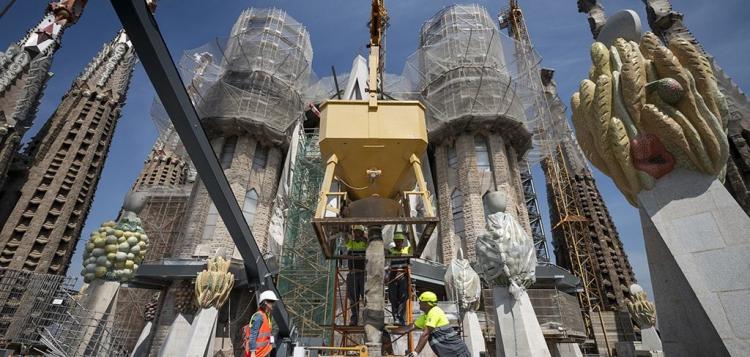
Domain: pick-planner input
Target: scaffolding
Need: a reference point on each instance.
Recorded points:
(463, 72)
(343, 334)
(577, 230)
(55, 323)
(305, 277)
(163, 218)
(557, 313)
(535, 217)
(568, 222)
(255, 78)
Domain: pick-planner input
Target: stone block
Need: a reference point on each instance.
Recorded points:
(650, 340)
(739, 321)
(177, 339)
(141, 346)
(698, 245)
(562, 349)
(203, 330)
(474, 339)
(517, 329)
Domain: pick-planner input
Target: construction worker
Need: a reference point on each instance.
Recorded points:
(397, 281)
(258, 333)
(443, 339)
(356, 246)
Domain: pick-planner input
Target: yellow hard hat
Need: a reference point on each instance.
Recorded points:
(399, 235)
(360, 227)
(428, 296)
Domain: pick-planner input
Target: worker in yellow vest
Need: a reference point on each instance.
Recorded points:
(356, 246)
(258, 333)
(443, 339)
(397, 281)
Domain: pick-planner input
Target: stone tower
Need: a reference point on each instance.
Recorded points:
(248, 113)
(65, 162)
(604, 260)
(475, 123)
(24, 71)
(166, 164)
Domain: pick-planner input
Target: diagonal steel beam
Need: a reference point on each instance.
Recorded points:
(157, 61)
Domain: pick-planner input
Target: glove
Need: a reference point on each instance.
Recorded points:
(412, 354)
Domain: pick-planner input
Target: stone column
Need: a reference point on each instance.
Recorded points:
(522, 213)
(473, 334)
(468, 183)
(444, 211)
(374, 314)
(238, 175)
(266, 185)
(99, 302)
(507, 177)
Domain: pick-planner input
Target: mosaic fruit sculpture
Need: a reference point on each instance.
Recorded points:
(115, 250)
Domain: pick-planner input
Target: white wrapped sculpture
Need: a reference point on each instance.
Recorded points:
(507, 261)
(505, 253)
(463, 285)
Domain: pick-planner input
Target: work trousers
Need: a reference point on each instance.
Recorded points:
(445, 342)
(355, 291)
(397, 294)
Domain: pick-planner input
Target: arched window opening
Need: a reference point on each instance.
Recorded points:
(249, 206)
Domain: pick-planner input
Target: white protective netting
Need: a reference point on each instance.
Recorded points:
(256, 77)
(468, 73)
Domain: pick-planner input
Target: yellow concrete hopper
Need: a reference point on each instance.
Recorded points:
(373, 146)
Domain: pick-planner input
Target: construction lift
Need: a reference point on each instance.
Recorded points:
(373, 173)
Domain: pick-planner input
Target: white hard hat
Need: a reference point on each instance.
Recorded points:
(267, 295)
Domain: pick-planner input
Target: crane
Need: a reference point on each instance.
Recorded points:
(572, 220)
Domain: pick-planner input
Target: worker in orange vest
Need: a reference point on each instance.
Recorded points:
(258, 333)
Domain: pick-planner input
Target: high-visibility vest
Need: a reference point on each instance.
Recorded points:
(396, 262)
(356, 248)
(263, 345)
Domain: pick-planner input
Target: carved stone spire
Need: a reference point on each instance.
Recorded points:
(597, 17)
(24, 71)
(65, 163)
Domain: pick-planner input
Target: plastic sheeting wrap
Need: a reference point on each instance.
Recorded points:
(506, 254)
(462, 284)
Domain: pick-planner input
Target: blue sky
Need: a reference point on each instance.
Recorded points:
(338, 32)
